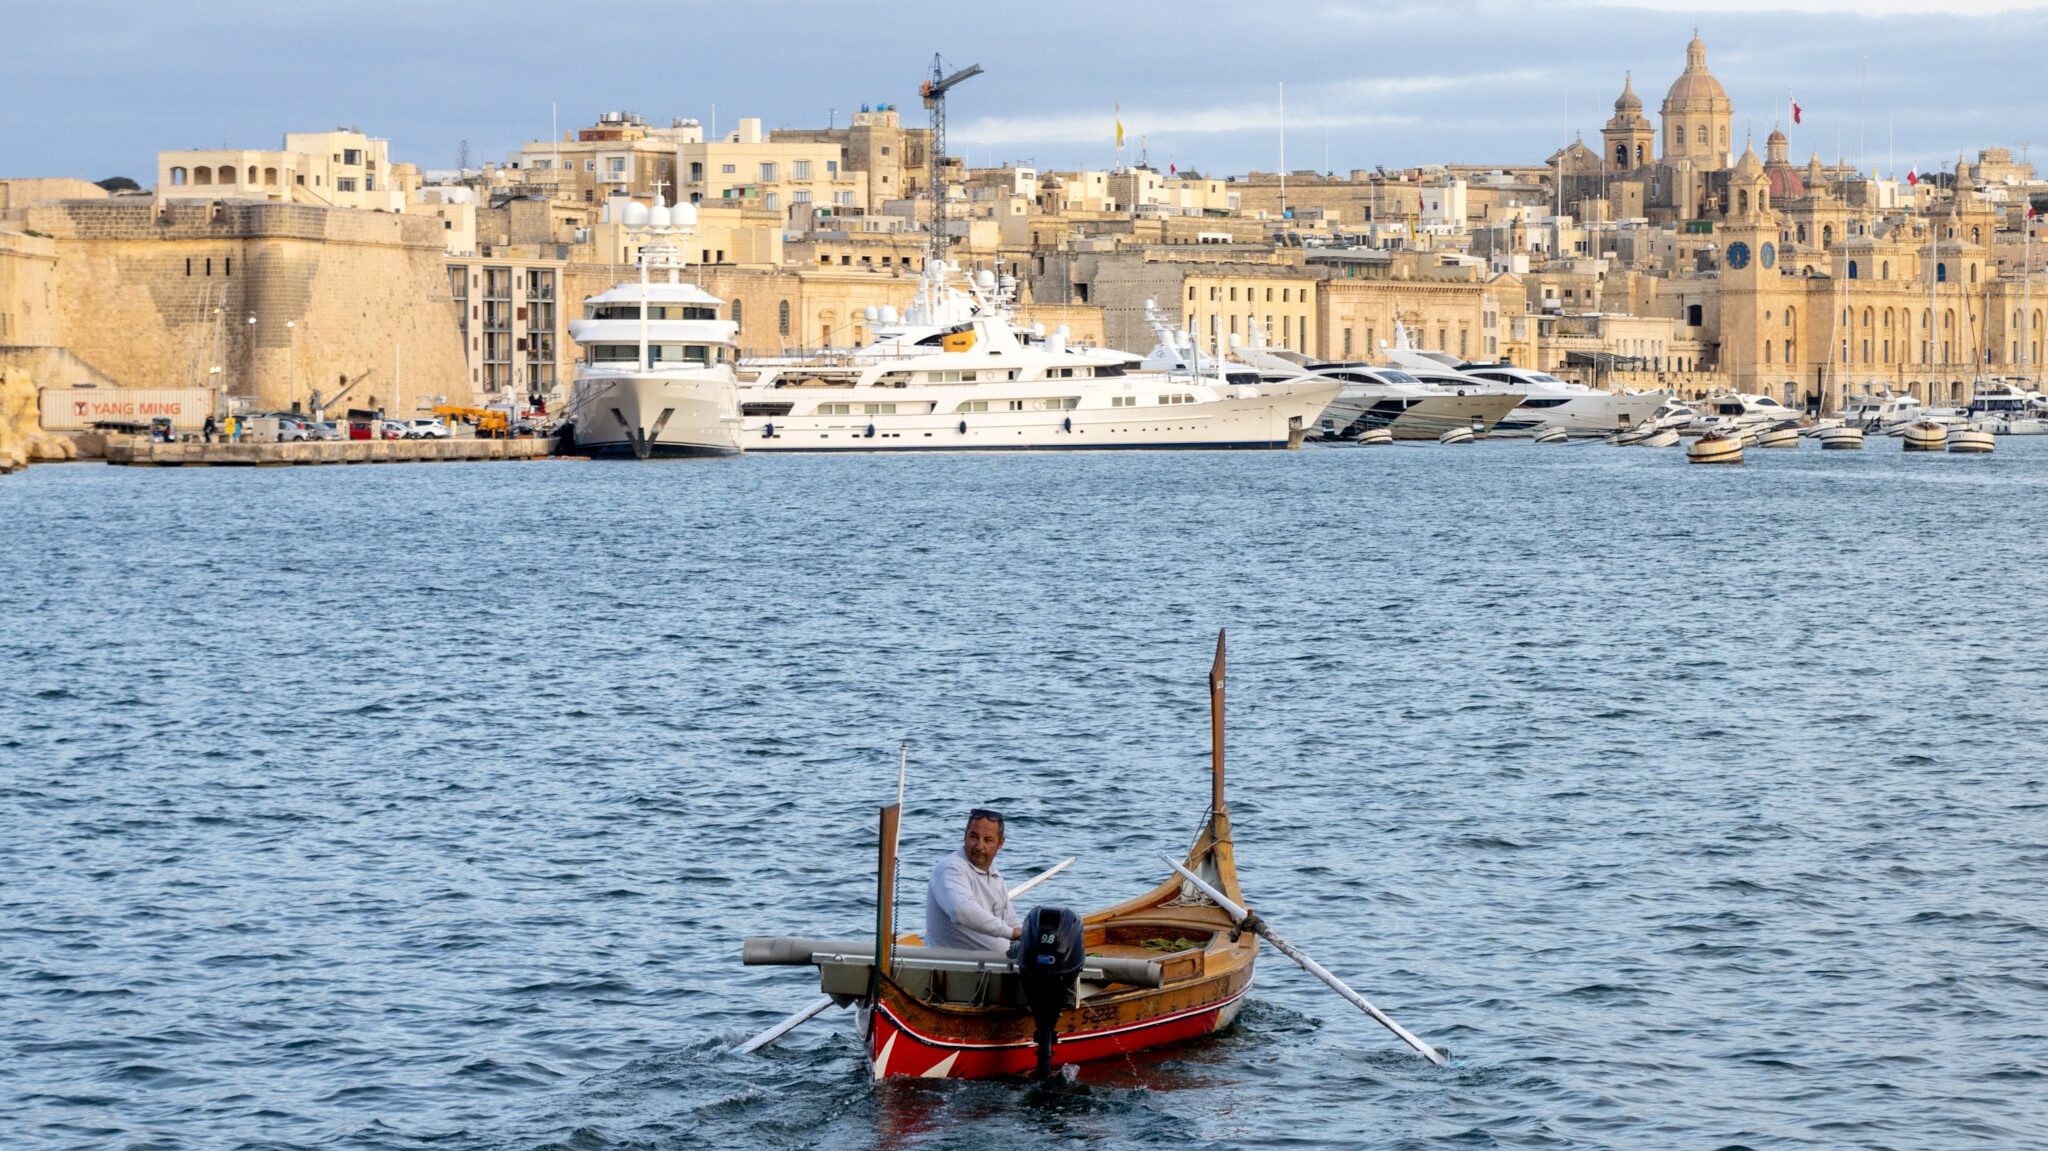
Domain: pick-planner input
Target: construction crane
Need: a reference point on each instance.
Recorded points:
(934, 92)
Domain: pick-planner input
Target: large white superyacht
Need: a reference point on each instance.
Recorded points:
(656, 374)
(955, 373)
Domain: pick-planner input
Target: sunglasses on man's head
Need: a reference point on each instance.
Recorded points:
(985, 813)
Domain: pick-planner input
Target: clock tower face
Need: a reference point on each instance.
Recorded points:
(1768, 254)
(1738, 255)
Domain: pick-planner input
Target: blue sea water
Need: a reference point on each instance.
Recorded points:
(426, 806)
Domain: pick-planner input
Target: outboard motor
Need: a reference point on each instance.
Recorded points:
(1049, 956)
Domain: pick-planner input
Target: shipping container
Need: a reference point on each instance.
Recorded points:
(78, 409)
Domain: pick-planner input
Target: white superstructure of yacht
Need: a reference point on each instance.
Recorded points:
(1737, 411)
(958, 375)
(1547, 400)
(655, 377)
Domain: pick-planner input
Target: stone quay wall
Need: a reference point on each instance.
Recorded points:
(162, 294)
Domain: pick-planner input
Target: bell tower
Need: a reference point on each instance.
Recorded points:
(1629, 139)
(1748, 228)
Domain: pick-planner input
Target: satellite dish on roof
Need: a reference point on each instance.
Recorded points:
(683, 215)
(984, 279)
(657, 216)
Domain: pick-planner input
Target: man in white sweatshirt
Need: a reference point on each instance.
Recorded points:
(968, 904)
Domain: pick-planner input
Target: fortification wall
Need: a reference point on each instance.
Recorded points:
(163, 294)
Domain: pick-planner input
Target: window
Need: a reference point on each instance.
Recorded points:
(345, 184)
(1852, 269)
(973, 406)
(616, 165)
(1703, 133)
(178, 176)
(728, 169)
(878, 409)
(831, 167)
(771, 201)
(735, 313)
(800, 170)
(1123, 401)
(1015, 405)
(351, 156)
(1941, 273)
(835, 409)
(768, 172)
(782, 318)
(843, 199)
(590, 165)
(800, 196)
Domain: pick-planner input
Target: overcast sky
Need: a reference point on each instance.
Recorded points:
(93, 88)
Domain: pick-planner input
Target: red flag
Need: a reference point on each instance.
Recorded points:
(1171, 170)
(1912, 177)
(1795, 111)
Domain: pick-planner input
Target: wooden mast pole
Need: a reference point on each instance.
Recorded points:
(1216, 807)
(885, 898)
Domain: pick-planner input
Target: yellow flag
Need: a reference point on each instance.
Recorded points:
(1119, 126)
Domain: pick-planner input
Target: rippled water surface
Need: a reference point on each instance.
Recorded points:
(426, 806)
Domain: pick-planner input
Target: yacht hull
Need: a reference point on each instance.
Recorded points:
(1265, 421)
(1600, 414)
(652, 417)
(1411, 417)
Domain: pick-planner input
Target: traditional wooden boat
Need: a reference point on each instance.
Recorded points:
(1169, 966)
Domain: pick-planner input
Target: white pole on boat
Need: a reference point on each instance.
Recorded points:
(1250, 922)
(817, 1006)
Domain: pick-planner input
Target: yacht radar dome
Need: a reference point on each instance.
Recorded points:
(635, 215)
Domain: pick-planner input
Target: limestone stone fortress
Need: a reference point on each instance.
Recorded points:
(1672, 255)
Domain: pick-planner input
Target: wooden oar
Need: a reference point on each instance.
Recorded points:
(1250, 922)
(817, 1006)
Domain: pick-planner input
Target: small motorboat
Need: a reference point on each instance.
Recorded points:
(1925, 436)
(1781, 436)
(1661, 438)
(1841, 437)
(1971, 441)
(1715, 448)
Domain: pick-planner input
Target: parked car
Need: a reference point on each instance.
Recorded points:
(391, 430)
(428, 430)
(328, 430)
(292, 429)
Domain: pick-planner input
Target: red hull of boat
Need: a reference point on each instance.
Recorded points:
(896, 1049)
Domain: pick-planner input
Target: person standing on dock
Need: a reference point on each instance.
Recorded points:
(208, 428)
(968, 904)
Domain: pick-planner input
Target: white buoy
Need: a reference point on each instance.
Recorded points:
(1970, 441)
(1552, 435)
(1376, 436)
(1925, 436)
(1841, 438)
(1456, 436)
(1779, 437)
(1661, 438)
(1715, 448)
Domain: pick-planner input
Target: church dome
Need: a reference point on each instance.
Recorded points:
(1776, 138)
(1749, 167)
(1695, 86)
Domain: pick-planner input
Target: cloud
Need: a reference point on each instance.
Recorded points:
(1310, 107)
(1862, 8)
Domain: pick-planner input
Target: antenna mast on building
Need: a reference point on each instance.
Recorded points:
(934, 92)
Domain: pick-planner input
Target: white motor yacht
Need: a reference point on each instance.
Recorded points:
(2008, 409)
(1547, 400)
(656, 373)
(1743, 411)
(940, 382)
(1373, 397)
